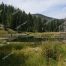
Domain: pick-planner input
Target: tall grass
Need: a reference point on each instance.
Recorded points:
(49, 53)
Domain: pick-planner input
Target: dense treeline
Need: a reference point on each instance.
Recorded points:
(18, 20)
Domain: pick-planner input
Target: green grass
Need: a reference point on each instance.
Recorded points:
(43, 53)
(48, 53)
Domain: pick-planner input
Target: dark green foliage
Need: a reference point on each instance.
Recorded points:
(12, 18)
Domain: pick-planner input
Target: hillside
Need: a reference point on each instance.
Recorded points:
(50, 20)
(18, 20)
(42, 16)
(47, 18)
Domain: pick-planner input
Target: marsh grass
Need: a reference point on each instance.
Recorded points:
(47, 53)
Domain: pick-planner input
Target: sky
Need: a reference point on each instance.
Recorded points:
(51, 8)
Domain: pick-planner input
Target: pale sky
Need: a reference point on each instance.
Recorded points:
(51, 8)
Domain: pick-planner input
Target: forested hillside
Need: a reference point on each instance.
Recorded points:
(18, 20)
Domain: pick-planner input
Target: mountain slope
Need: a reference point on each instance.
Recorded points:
(11, 18)
(42, 16)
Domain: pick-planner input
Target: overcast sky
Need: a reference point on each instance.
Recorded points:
(52, 8)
